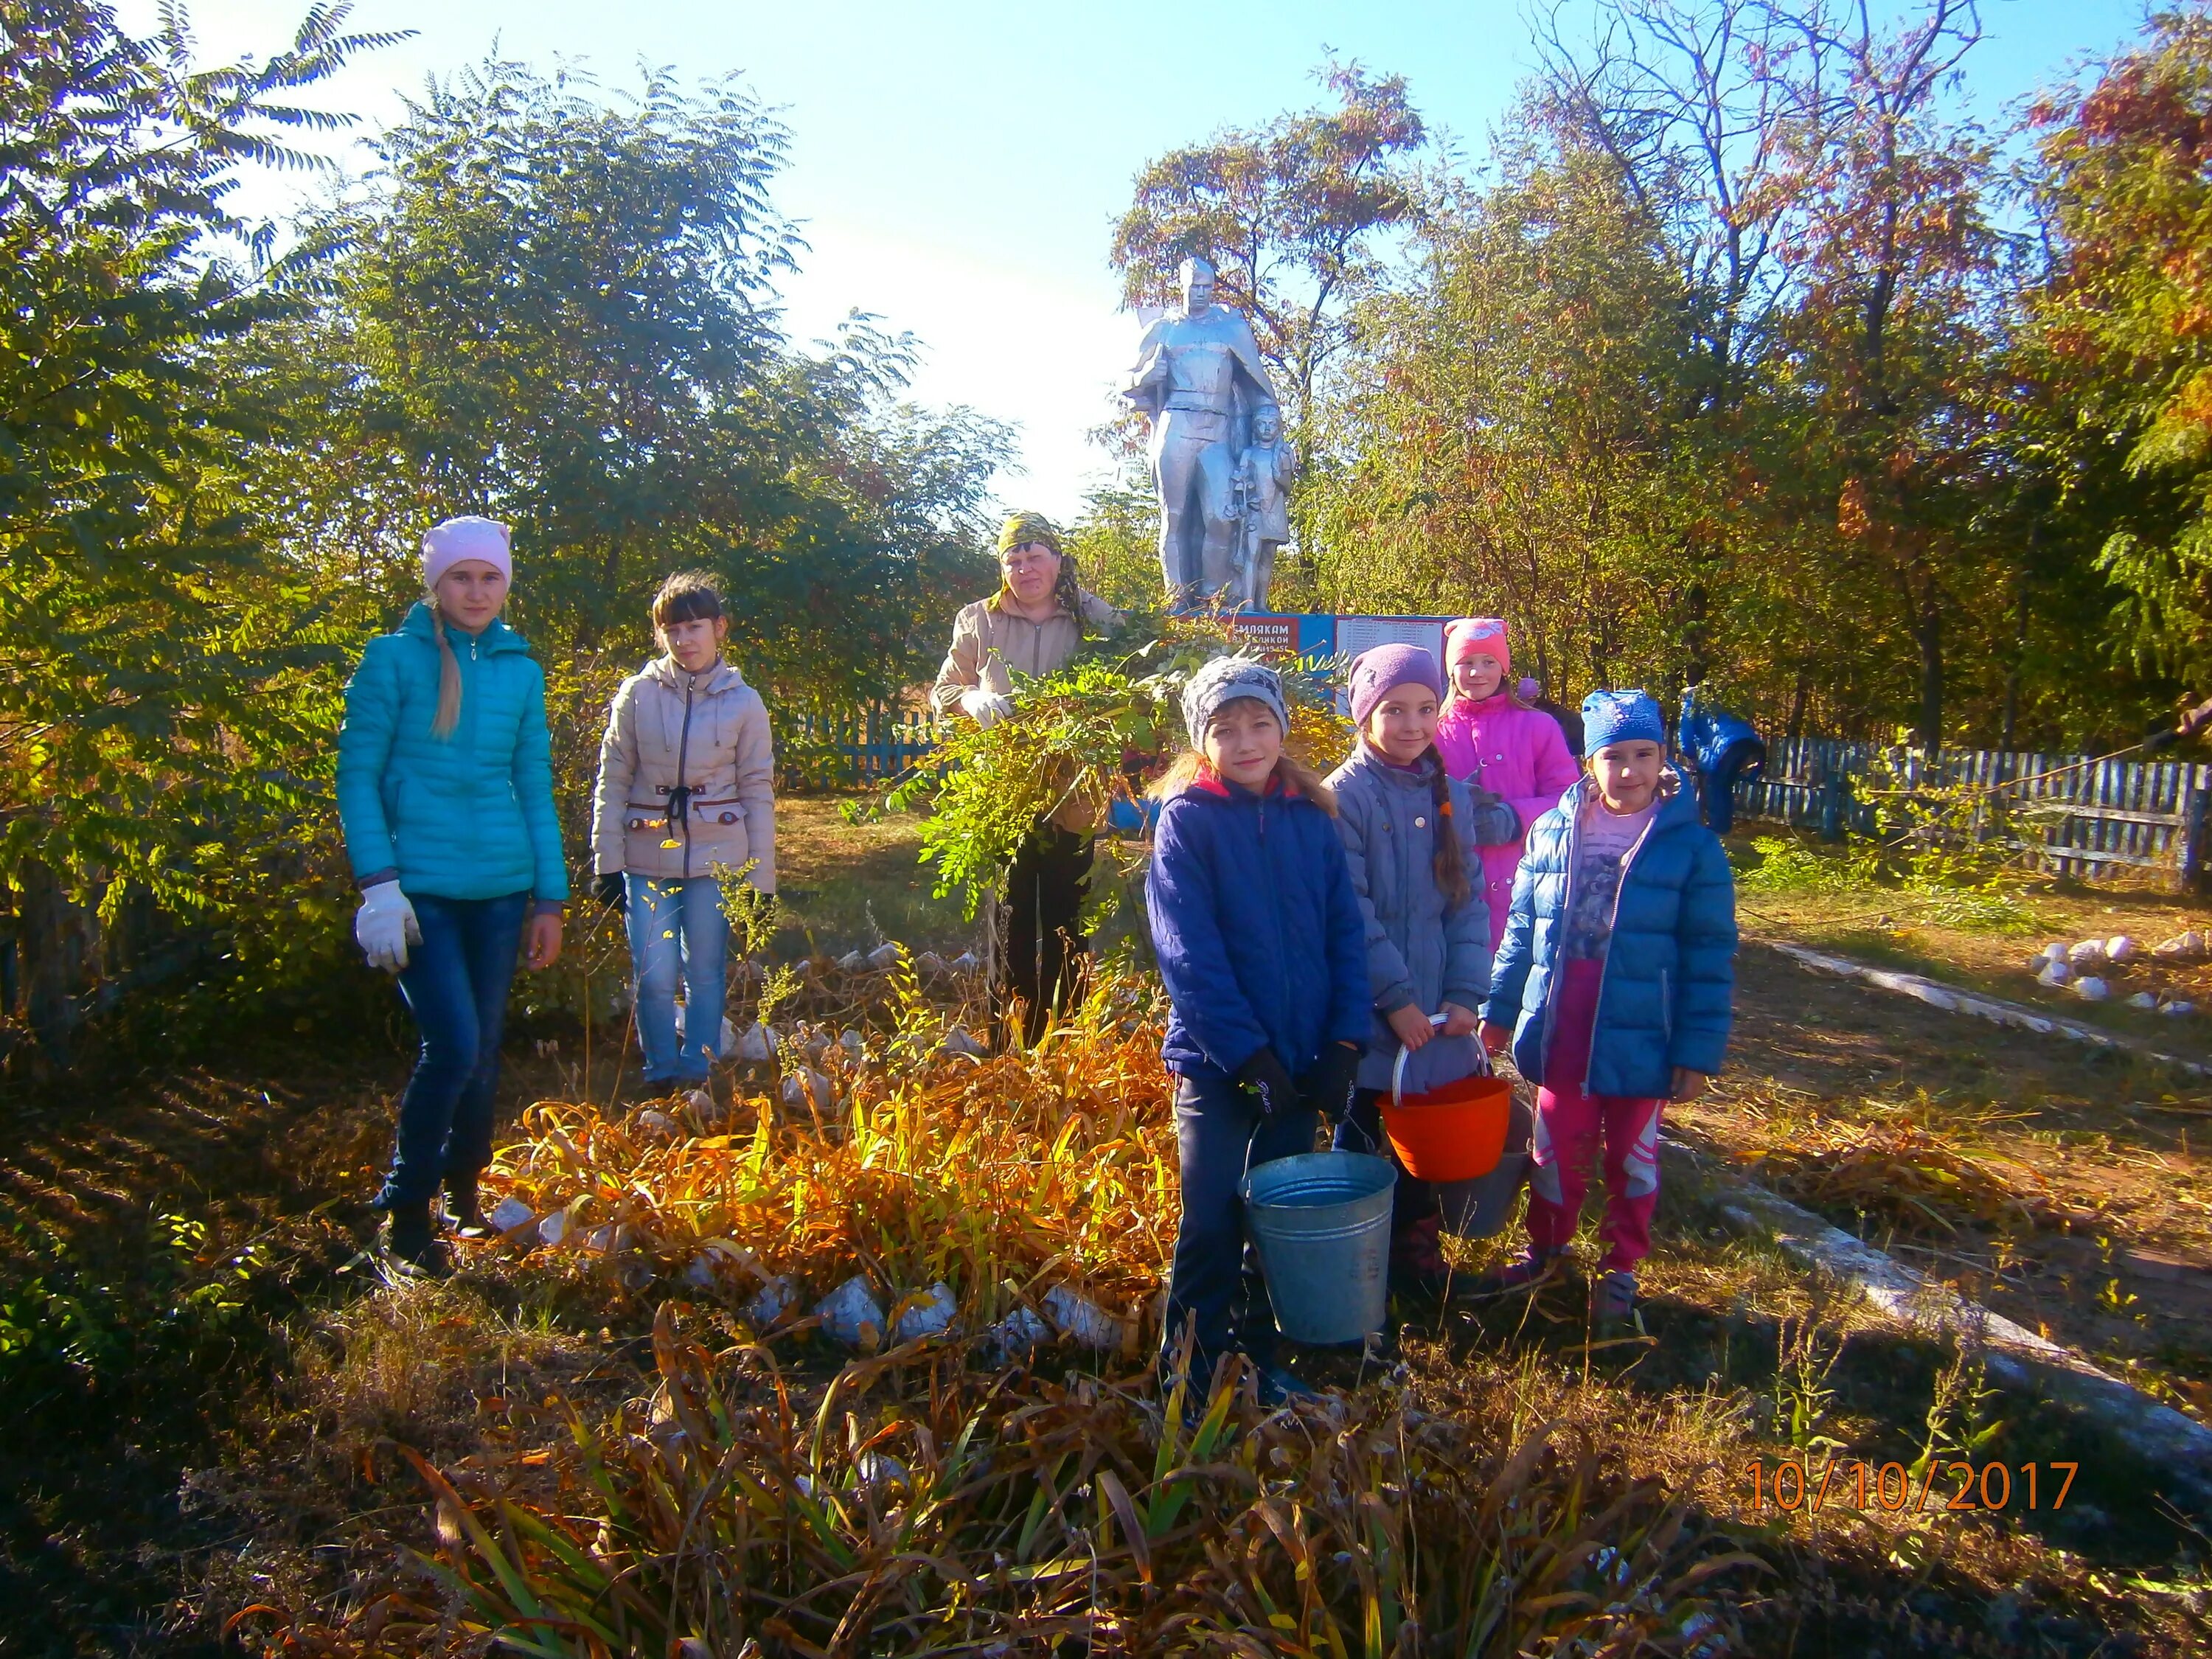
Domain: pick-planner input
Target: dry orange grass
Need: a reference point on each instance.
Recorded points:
(996, 1176)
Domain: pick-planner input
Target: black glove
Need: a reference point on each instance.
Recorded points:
(1269, 1080)
(1329, 1086)
(614, 892)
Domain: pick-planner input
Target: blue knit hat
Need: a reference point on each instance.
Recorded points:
(1223, 681)
(1611, 717)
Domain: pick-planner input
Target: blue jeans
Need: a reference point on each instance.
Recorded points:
(1216, 1274)
(455, 983)
(677, 928)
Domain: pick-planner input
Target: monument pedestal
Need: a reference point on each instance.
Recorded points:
(1321, 635)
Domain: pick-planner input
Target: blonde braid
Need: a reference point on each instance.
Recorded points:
(449, 677)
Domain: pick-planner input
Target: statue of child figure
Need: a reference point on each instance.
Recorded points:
(1264, 473)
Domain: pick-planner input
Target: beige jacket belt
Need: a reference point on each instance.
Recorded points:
(728, 760)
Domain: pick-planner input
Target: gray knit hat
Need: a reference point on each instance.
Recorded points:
(1224, 680)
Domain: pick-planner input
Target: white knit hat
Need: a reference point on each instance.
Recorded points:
(1224, 680)
(445, 545)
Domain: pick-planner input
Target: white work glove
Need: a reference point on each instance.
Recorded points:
(385, 927)
(984, 706)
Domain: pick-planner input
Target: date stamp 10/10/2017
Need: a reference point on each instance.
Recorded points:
(1855, 1482)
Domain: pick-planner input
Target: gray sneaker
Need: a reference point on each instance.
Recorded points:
(1612, 1301)
(1528, 1268)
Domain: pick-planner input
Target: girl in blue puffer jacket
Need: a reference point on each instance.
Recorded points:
(445, 793)
(1263, 950)
(1615, 986)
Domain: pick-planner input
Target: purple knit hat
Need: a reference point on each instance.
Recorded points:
(1376, 673)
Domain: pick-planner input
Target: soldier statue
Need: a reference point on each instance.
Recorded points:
(1219, 465)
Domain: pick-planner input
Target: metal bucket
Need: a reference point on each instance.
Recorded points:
(1321, 1222)
(1480, 1208)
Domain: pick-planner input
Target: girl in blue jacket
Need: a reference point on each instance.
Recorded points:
(1617, 978)
(1263, 952)
(445, 793)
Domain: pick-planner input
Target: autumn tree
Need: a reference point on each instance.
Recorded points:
(1292, 215)
(559, 308)
(164, 687)
(1507, 433)
(2123, 341)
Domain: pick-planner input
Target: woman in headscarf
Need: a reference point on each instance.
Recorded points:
(1031, 625)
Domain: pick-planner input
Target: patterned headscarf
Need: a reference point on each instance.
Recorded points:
(1022, 528)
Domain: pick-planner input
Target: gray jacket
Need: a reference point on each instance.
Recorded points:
(1420, 950)
(709, 731)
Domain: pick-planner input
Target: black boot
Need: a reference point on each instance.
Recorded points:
(413, 1246)
(462, 1213)
(1417, 1258)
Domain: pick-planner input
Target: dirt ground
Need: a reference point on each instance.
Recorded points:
(2107, 1153)
(1897, 929)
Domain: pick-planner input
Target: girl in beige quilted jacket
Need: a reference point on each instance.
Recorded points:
(686, 799)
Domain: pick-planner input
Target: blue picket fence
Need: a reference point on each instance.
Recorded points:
(864, 747)
(2081, 815)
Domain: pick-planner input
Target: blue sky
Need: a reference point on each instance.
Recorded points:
(958, 165)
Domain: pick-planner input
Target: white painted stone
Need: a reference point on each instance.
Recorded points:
(2119, 948)
(926, 1313)
(884, 957)
(555, 1228)
(770, 1303)
(2006, 1013)
(2143, 1000)
(754, 1043)
(880, 1469)
(853, 961)
(1017, 1336)
(957, 1041)
(851, 1314)
(510, 1215)
(2089, 953)
(2090, 989)
(806, 1083)
(1081, 1319)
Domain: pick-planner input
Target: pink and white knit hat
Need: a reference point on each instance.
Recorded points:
(1479, 636)
(445, 545)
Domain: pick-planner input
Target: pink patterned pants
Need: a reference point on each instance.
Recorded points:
(1571, 1128)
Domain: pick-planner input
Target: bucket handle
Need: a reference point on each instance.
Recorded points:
(1398, 1067)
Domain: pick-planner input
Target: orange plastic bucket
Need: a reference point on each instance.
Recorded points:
(1455, 1132)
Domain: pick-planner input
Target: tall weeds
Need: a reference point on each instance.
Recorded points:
(919, 1505)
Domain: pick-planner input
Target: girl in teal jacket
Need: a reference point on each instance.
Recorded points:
(445, 793)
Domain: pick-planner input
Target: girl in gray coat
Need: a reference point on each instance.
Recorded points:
(686, 795)
(1410, 831)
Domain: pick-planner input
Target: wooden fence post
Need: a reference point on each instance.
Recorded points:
(2189, 868)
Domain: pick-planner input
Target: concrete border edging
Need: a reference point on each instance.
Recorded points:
(2015, 1356)
(1952, 1000)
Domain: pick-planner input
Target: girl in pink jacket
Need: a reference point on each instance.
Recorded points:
(1489, 737)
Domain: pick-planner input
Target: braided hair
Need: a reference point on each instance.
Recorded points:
(449, 677)
(1449, 860)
